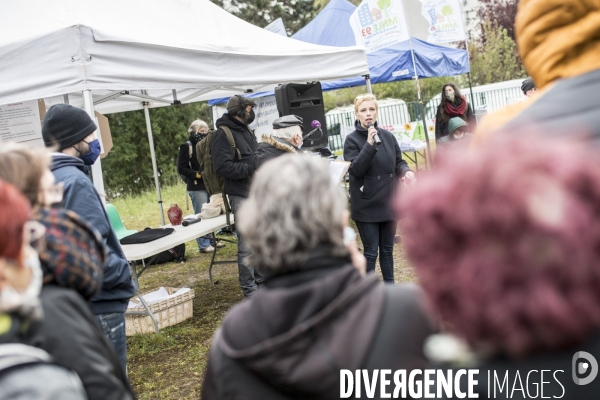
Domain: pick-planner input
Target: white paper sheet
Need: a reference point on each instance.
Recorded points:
(337, 170)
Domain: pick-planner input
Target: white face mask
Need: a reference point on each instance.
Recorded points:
(450, 95)
(27, 300)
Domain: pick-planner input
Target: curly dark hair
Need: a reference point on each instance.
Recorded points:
(512, 262)
(445, 117)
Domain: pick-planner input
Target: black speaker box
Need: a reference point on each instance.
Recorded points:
(306, 101)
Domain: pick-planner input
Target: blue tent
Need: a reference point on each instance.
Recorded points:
(331, 27)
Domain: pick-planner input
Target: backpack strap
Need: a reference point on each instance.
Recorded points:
(234, 150)
(15, 354)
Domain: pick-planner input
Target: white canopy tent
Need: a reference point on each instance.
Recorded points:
(118, 55)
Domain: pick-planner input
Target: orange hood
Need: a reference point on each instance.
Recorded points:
(558, 38)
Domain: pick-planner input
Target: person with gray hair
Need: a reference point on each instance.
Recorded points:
(188, 168)
(285, 138)
(318, 312)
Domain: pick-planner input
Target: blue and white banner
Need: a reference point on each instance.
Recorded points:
(445, 20)
(378, 24)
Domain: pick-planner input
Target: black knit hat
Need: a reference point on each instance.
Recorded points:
(527, 85)
(238, 102)
(65, 125)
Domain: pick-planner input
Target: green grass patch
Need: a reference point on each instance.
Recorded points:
(171, 364)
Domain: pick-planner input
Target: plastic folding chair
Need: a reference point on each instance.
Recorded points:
(116, 223)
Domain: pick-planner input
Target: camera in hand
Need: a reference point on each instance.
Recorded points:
(376, 136)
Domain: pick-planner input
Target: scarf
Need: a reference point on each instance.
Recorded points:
(456, 110)
(74, 254)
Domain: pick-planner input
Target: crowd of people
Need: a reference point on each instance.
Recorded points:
(503, 234)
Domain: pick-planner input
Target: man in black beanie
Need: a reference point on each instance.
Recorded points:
(71, 131)
(237, 170)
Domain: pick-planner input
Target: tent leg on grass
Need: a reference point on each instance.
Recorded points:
(88, 102)
(154, 167)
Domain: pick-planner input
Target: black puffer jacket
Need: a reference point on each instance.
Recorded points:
(272, 147)
(290, 340)
(237, 173)
(183, 167)
(70, 334)
(374, 174)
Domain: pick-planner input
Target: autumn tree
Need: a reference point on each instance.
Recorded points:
(496, 59)
(500, 12)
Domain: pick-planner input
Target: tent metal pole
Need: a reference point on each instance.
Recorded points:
(368, 82)
(154, 166)
(462, 16)
(88, 103)
(421, 104)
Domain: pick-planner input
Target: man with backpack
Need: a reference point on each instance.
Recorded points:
(235, 163)
(189, 170)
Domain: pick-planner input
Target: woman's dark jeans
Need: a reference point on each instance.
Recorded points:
(379, 236)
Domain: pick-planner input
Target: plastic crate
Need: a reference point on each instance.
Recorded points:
(167, 312)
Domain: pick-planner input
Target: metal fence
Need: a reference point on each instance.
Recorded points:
(392, 114)
(485, 99)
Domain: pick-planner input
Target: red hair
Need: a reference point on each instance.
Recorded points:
(506, 242)
(14, 213)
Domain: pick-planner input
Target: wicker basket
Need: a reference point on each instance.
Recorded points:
(167, 312)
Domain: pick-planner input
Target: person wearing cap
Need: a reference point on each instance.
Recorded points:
(528, 87)
(70, 130)
(237, 168)
(286, 138)
(458, 132)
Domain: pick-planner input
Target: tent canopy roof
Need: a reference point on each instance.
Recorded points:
(66, 46)
(331, 27)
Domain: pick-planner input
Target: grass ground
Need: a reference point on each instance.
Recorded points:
(170, 365)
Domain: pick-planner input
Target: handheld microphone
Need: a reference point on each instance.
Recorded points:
(316, 125)
(190, 221)
(376, 136)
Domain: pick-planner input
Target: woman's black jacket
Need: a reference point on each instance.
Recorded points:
(70, 333)
(183, 167)
(375, 170)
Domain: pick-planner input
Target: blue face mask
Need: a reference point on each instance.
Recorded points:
(91, 157)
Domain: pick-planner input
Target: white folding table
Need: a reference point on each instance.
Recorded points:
(137, 253)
